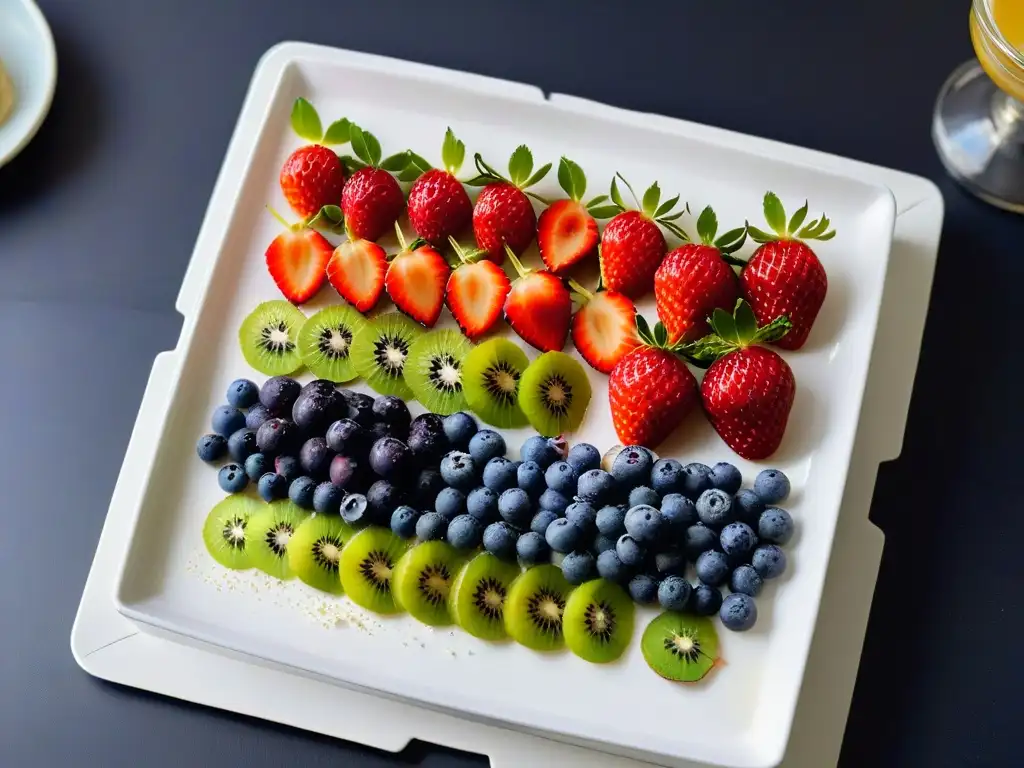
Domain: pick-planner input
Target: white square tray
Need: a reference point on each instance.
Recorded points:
(911, 192)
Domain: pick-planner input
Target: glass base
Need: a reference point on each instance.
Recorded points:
(979, 133)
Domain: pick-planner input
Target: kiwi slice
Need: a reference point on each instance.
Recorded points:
(534, 607)
(680, 646)
(270, 530)
(433, 370)
(423, 580)
(367, 566)
(598, 621)
(269, 338)
(314, 551)
(379, 352)
(478, 594)
(491, 374)
(325, 342)
(554, 393)
(226, 532)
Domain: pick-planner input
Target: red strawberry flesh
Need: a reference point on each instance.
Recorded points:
(297, 260)
(538, 308)
(356, 270)
(476, 295)
(604, 330)
(416, 282)
(566, 234)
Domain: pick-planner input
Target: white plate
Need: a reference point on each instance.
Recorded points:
(29, 55)
(742, 715)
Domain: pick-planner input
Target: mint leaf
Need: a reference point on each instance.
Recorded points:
(572, 179)
(707, 225)
(520, 165)
(617, 196)
(774, 213)
(540, 174)
(605, 211)
(797, 220)
(453, 152)
(651, 198)
(396, 162)
(746, 323)
(667, 206)
(305, 120)
(337, 132)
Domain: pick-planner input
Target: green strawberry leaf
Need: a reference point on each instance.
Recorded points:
(826, 236)
(409, 173)
(329, 218)
(660, 334)
(759, 236)
(774, 331)
(651, 199)
(774, 213)
(675, 229)
(707, 225)
(483, 169)
(520, 165)
(397, 162)
(305, 120)
(453, 152)
(674, 216)
(417, 167)
(605, 211)
(667, 206)
(365, 145)
(540, 174)
(597, 201)
(797, 220)
(480, 180)
(725, 326)
(338, 132)
(746, 323)
(732, 241)
(814, 229)
(332, 212)
(571, 179)
(630, 188)
(617, 196)
(352, 164)
(643, 329)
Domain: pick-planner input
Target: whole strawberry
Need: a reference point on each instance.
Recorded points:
(697, 278)
(567, 230)
(313, 175)
(439, 207)
(632, 245)
(784, 276)
(748, 390)
(650, 390)
(503, 214)
(371, 199)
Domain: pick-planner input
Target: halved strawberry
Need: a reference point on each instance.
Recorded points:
(476, 292)
(538, 307)
(297, 259)
(566, 230)
(356, 270)
(604, 328)
(416, 280)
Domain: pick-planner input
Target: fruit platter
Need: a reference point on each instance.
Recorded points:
(486, 402)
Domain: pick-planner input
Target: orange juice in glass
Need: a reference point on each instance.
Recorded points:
(978, 125)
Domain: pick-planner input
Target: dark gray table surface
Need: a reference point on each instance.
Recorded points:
(99, 215)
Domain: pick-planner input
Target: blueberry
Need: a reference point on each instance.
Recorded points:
(603, 543)
(393, 411)
(322, 386)
(426, 486)
(530, 477)
(459, 470)
(258, 414)
(674, 593)
(539, 450)
(347, 437)
(257, 465)
(713, 568)
(679, 513)
(533, 549)
(500, 474)
(643, 589)
(696, 479)
(738, 612)
(287, 467)
(315, 457)
(738, 541)
(706, 600)
(429, 424)
(226, 420)
(748, 507)
(584, 457)
(431, 527)
(611, 521)
(354, 509)
(561, 477)
(610, 567)
(459, 428)
(345, 472)
(485, 445)
(775, 526)
(211, 447)
(583, 516)
(553, 501)
(769, 561)
(450, 503)
(563, 536)
(327, 498)
(465, 532)
(277, 436)
(380, 429)
(644, 495)
(725, 477)
(279, 393)
(391, 459)
(746, 581)
(541, 521)
(629, 551)
(381, 500)
(427, 447)
(403, 522)
(301, 490)
(272, 486)
(670, 563)
(644, 524)
(482, 503)
(772, 486)
(714, 508)
(632, 467)
(597, 487)
(667, 476)
(515, 508)
(243, 393)
(360, 409)
(698, 539)
(500, 540)
(578, 567)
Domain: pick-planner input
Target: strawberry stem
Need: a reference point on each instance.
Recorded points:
(523, 272)
(280, 218)
(584, 294)
(400, 236)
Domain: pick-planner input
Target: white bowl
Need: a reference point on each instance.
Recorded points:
(30, 58)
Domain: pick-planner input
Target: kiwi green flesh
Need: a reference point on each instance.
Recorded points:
(367, 569)
(554, 393)
(226, 531)
(269, 338)
(325, 342)
(433, 370)
(270, 530)
(598, 621)
(423, 580)
(491, 375)
(478, 595)
(680, 647)
(534, 608)
(380, 350)
(315, 549)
